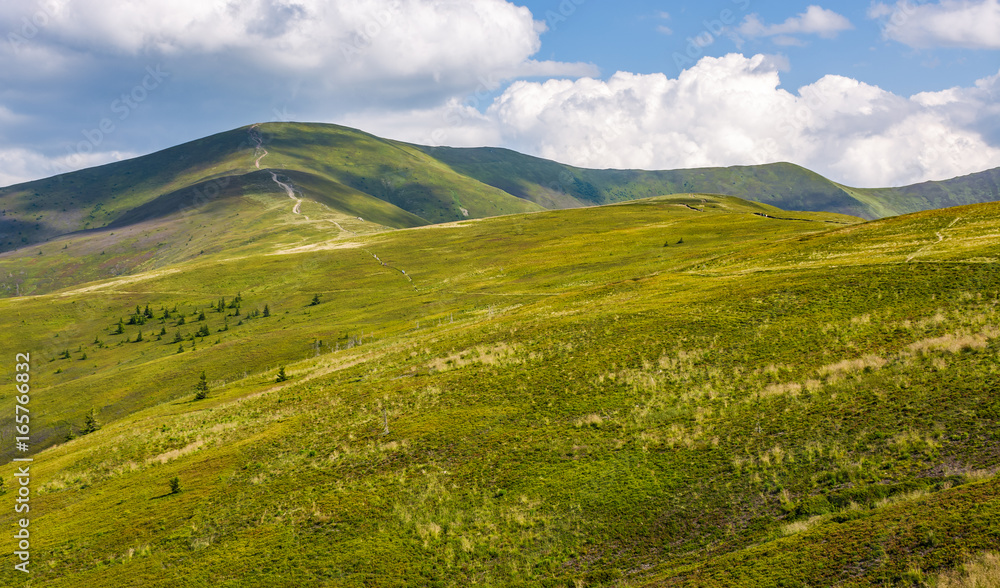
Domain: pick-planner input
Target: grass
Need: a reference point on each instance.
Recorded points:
(569, 402)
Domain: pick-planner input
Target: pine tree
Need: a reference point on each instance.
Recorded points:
(163, 331)
(180, 348)
(90, 423)
(121, 327)
(315, 300)
(267, 310)
(138, 337)
(281, 374)
(180, 321)
(201, 315)
(147, 312)
(201, 390)
(177, 337)
(84, 356)
(175, 485)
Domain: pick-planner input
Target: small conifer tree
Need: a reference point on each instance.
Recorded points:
(267, 310)
(175, 485)
(281, 374)
(201, 389)
(90, 423)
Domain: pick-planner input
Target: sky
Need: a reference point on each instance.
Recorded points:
(868, 94)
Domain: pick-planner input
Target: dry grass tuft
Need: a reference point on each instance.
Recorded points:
(591, 420)
(850, 366)
(175, 453)
(982, 571)
(803, 525)
(956, 342)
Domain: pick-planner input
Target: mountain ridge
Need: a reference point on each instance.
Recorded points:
(422, 184)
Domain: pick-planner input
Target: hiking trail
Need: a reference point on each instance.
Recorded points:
(288, 187)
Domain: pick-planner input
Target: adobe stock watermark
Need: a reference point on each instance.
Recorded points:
(566, 9)
(30, 26)
(712, 30)
(123, 106)
(364, 36)
(901, 13)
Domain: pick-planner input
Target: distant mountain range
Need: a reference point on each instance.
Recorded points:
(396, 184)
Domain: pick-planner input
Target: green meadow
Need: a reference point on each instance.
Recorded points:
(685, 390)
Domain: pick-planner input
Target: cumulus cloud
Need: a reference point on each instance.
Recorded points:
(971, 24)
(66, 63)
(814, 21)
(731, 110)
(440, 40)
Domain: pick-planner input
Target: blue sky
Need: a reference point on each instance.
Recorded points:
(866, 93)
(627, 35)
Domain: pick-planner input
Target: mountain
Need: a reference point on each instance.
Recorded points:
(785, 185)
(393, 184)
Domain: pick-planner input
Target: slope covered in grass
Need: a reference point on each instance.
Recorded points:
(353, 172)
(684, 391)
(395, 184)
(787, 186)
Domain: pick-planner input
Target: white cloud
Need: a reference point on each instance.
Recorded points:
(456, 124)
(971, 24)
(662, 28)
(19, 165)
(730, 110)
(440, 40)
(814, 21)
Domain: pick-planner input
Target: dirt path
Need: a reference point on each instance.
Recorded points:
(259, 142)
(290, 190)
(940, 238)
(288, 187)
(385, 265)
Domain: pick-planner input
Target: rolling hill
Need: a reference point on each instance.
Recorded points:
(343, 174)
(784, 185)
(684, 390)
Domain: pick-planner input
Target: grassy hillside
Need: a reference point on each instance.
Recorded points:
(398, 185)
(970, 189)
(352, 172)
(688, 390)
(787, 186)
